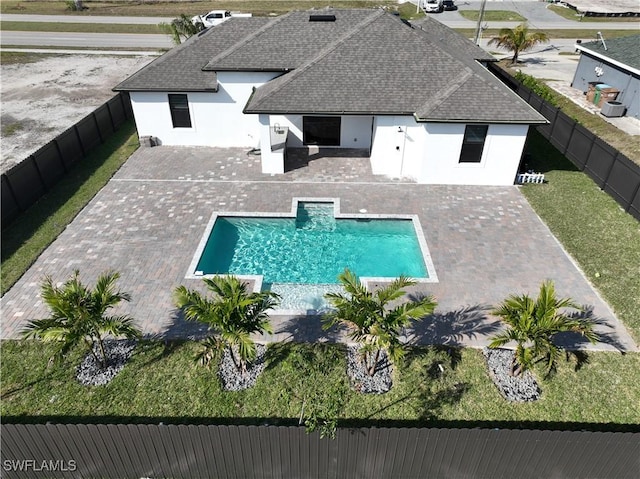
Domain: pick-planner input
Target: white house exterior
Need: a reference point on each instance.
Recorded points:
(417, 100)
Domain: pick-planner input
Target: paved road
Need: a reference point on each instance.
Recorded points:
(74, 39)
(85, 19)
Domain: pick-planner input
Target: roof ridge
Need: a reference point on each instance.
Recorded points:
(289, 77)
(443, 95)
(247, 39)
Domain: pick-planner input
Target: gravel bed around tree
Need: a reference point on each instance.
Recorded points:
(232, 379)
(523, 388)
(359, 378)
(118, 352)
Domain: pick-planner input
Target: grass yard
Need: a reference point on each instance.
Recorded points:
(78, 27)
(493, 15)
(571, 14)
(34, 230)
(162, 383)
(173, 9)
(603, 239)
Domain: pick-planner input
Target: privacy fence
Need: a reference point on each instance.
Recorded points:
(612, 171)
(248, 452)
(26, 182)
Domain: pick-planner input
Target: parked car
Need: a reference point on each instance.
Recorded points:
(216, 17)
(432, 6)
(449, 5)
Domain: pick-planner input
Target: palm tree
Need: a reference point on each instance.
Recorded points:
(181, 27)
(78, 315)
(532, 324)
(233, 315)
(518, 40)
(372, 322)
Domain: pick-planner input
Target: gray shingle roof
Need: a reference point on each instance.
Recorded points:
(625, 50)
(366, 62)
(180, 69)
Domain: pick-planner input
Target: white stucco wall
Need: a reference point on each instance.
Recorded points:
(500, 156)
(430, 152)
(216, 118)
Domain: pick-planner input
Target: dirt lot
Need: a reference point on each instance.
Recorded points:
(44, 98)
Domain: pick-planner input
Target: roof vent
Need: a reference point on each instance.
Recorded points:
(322, 18)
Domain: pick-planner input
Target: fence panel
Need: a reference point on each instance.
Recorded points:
(579, 146)
(70, 147)
(600, 162)
(121, 451)
(624, 181)
(27, 181)
(562, 130)
(103, 119)
(10, 207)
(118, 113)
(89, 132)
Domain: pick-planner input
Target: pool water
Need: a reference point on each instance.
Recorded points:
(312, 248)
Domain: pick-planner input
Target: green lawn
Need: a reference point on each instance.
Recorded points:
(493, 15)
(603, 239)
(173, 9)
(34, 230)
(571, 14)
(78, 27)
(162, 383)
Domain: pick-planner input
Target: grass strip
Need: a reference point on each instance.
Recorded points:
(162, 383)
(28, 236)
(492, 15)
(583, 34)
(597, 233)
(78, 27)
(174, 9)
(571, 14)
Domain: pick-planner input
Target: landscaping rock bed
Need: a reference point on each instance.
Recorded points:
(234, 380)
(118, 352)
(360, 380)
(523, 388)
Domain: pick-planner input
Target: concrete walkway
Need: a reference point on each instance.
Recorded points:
(146, 223)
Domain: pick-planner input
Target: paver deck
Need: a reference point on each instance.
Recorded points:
(485, 242)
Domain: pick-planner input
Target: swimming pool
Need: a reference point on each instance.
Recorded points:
(312, 245)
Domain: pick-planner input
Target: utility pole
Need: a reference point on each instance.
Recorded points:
(479, 26)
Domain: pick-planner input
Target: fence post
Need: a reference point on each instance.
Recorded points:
(630, 202)
(13, 193)
(113, 125)
(95, 120)
(75, 128)
(60, 155)
(40, 177)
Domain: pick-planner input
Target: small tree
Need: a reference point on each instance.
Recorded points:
(518, 40)
(78, 315)
(181, 27)
(533, 324)
(372, 322)
(233, 315)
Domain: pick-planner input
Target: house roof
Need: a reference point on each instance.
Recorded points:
(180, 69)
(365, 62)
(622, 50)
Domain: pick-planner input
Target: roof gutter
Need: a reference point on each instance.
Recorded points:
(481, 122)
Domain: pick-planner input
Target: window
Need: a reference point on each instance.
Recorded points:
(179, 106)
(321, 130)
(473, 143)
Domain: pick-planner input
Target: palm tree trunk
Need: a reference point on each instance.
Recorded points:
(93, 353)
(372, 369)
(104, 355)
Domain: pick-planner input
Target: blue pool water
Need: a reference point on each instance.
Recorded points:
(312, 248)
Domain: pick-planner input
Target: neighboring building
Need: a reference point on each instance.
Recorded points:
(417, 100)
(614, 62)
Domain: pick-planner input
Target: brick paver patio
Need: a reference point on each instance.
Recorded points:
(485, 242)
